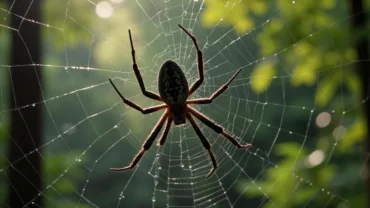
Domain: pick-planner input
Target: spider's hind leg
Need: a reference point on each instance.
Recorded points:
(133, 163)
(217, 128)
(147, 144)
(167, 128)
(204, 142)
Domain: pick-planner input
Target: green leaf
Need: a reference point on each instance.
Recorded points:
(355, 134)
(305, 72)
(65, 185)
(236, 16)
(288, 149)
(326, 90)
(258, 7)
(328, 4)
(353, 84)
(305, 194)
(262, 76)
(251, 189)
(326, 174)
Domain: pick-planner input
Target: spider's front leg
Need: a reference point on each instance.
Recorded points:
(200, 63)
(147, 144)
(136, 106)
(218, 92)
(139, 78)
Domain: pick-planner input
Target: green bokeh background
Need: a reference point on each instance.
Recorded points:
(298, 61)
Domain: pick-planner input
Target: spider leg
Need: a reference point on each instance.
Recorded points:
(217, 128)
(147, 144)
(135, 106)
(139, 78)
(167, 128)
(204, 142)
(218, 92)
(200, 80)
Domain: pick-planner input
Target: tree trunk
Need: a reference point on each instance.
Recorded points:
(363, 68)
(25, 88)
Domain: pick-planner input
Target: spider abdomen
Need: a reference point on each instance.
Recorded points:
(172, 84)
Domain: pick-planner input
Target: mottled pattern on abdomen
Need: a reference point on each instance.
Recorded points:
(172, 84)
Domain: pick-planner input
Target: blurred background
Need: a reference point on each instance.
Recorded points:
(301, 100)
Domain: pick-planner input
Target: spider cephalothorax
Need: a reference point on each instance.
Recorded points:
(174, 91)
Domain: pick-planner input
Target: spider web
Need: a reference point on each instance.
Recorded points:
(91, 130)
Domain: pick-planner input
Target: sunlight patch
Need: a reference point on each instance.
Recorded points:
(104, 9)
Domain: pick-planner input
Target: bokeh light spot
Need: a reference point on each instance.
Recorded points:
(323, 119)
(104, 9)
(339, 132)
(116, 1)
(315, 158)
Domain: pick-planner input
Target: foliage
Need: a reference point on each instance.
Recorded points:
(323, 58)
(71, 25)
(108, 41)
(234, 12)
(281, 176)
(313, 54)
(54, 166)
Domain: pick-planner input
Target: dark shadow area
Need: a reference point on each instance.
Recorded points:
(26, 123)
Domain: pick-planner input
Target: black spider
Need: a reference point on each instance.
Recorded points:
(174, 92)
